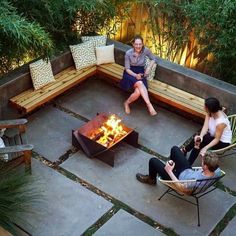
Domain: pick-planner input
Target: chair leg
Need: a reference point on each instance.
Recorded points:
(167, 191)
(27, 160)
(198, 215)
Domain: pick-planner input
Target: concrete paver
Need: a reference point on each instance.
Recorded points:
(228, 164)
(50, 130)
(120, 182)
(158, 133)
(122, 223)
(67, 208)
(230, 229)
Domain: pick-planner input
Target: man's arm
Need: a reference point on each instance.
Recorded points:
(219, 131)
(204, 129)
(169, 169)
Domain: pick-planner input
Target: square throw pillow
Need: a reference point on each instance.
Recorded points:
(98, 41)
(151, 75)
(83, 55)
(105, 54)
(41, 73)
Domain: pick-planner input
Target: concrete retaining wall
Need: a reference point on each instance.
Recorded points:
(189, 80)
(178, 76)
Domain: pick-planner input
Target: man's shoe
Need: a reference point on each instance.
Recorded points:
(146, 179)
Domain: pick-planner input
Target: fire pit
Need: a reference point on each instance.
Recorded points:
(97, 137)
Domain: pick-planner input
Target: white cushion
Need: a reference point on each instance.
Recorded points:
(41, 73)
(2, 132)
(105, 54)
(153, 69)
(3, 156)
(98, 41)
(83, 55)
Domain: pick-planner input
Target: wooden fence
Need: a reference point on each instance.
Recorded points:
(138, 22)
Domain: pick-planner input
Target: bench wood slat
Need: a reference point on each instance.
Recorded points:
(173, 98)
(155, 84)
(162, 88)
(32, 99)
(60, 82)
(112, 71)
(162, 92)
(65, 85)
(112, 66)
(28, 93)
(60, 77)
(186, 97)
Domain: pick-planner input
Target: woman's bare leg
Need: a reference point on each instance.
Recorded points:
(144, 93)
(133, 97)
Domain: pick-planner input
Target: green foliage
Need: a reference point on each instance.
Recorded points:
(170, 31)
(67, 19)
(20, 38)
(31, 28)
(17, 196)
(214, 24)
(206, 28)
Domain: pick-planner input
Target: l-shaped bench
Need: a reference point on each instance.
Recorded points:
(31, 99)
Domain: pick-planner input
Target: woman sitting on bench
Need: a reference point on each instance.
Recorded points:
(134, 77)
(215, 134)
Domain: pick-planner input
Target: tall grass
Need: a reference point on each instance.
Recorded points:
(19, 195)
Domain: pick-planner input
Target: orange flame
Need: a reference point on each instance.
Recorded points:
(110, 132)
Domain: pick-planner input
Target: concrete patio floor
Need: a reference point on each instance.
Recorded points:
(73, 208)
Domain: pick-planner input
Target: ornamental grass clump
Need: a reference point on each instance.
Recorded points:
(19, 195)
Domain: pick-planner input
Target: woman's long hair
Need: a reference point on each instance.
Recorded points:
(213, 105)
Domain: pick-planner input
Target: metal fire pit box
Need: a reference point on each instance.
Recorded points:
(81, 138)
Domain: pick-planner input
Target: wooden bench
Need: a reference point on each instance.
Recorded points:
(160, 91)
(66, 79)
(31, 99)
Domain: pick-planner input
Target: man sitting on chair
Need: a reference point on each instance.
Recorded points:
(178, 168)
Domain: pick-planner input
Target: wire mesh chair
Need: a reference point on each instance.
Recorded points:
(192, 188)
(232, 147)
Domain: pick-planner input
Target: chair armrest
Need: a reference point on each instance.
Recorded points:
(12, 123)
(17, 148)
(181, 186)
(223, 150)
